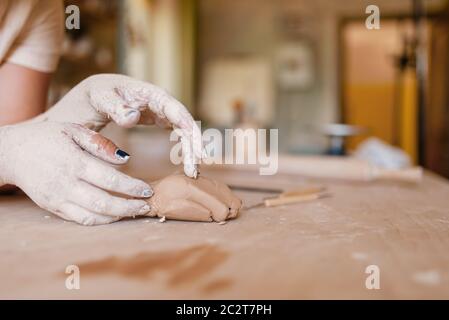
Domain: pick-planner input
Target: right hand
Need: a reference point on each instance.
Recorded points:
(57, 165)
(100, 98)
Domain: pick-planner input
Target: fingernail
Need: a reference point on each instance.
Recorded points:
(121, 154)
(147, 193)
(196, 173)
(130, 114)
(144, 209)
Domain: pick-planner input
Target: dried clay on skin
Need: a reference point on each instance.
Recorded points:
(49, 162)
(99, 98)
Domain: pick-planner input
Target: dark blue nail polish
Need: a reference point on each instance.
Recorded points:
(121, 154)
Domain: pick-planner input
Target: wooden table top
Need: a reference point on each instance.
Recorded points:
(318, 249)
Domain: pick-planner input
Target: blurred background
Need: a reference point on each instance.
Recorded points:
(312, 69)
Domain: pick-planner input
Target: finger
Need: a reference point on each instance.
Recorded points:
(189, 160)
(108, 178)
(110, 103)
(101, 202)
(183, 209)
(83, 216)
(191, 143)
(98, 145)
(167, 108)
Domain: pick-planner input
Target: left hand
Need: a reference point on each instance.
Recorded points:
(128, 102)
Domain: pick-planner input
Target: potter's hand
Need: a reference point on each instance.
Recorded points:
(203, 199)
(129, 102)
(56, 165)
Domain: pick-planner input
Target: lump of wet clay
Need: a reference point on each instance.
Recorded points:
(182, 198)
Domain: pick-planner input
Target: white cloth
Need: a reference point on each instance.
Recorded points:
(31, 33)
(381, 154)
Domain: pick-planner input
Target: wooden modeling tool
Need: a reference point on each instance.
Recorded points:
(302, 191)
(291, 197)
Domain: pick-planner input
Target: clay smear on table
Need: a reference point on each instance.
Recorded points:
(217, 285)
(182, 266)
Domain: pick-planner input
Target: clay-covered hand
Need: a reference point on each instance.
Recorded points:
(180, 198)
(99, 98)
(57, 165)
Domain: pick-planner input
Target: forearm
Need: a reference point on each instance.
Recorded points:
(23, 93)
(3, 157)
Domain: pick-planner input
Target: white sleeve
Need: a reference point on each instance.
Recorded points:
(38, 46)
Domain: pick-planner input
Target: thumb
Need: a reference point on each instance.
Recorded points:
(98, 145)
